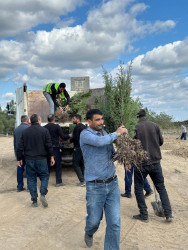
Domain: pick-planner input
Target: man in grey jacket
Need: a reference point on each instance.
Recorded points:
(150, 136)
(17, 135)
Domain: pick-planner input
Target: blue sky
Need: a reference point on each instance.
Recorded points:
(45, 41)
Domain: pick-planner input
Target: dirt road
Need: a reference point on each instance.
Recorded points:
(61, 225)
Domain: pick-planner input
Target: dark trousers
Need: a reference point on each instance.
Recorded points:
(78, 163)
(34, 169)
(155, 172)
(58, 167)
(20, 171)
(128, 182)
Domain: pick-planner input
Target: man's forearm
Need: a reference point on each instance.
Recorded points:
(99, 141)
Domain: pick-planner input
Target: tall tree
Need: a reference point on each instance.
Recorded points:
(11, 107)
(7, 118)
(117, 105)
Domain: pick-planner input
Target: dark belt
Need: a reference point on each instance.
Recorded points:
(104, 181)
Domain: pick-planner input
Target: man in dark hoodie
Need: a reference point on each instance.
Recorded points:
(36, 144)
(150, 136)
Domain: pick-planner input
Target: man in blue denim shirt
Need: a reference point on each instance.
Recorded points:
(102, 190)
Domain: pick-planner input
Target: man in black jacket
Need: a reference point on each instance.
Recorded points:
(56, 133)
(150, 136)
(36, 144)
(78, 162)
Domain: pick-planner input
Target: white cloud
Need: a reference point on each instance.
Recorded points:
(8, 95)
(107, 32)
(159, 78)
(137, 8)
(159, 74)
(18, 16)
(162, 61)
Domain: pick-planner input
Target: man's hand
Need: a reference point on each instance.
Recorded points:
(67, 107)
(121, 130)
(19, 163)
(61, 109)
(128, 168)
(52, 161)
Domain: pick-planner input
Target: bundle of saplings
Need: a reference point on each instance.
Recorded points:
(62, 116)
(130, 151)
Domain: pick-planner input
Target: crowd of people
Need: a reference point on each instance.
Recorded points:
(37, 148)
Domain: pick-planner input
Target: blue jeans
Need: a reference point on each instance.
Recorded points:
(50, 101)
(20, 171)
(184, 136)
(36, 168)
(101, 196)
(128, 182)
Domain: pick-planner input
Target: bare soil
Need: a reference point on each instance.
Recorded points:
(61, 225)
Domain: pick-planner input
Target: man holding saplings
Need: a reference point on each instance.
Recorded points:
(102, 190)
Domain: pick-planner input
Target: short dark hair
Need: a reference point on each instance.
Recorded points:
(92, 112)
(34, 118)
(24, 118)
(50, 117)
(62, 85)
(78, 117)
(141, 113)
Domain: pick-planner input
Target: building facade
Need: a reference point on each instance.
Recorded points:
(80, 83)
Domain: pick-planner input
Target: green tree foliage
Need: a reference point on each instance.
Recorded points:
(117, 105)
(163, 120)
(78, 103)
(7, 119)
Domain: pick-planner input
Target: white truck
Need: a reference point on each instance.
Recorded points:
(30, 102)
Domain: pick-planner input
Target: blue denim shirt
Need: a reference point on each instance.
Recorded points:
(97, 152)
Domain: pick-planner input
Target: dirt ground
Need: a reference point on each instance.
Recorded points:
(61, 225)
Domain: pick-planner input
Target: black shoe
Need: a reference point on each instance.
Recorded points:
(81, 184)
(126, 195)
(140, 217)
(34, 204)
(169, 218)
(60, 184)
(44, 201)
(88, 239)
(19, 190)
(148, 193)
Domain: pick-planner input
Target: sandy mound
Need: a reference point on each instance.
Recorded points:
(173, 145)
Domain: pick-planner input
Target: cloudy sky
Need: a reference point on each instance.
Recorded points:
(50, 41)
